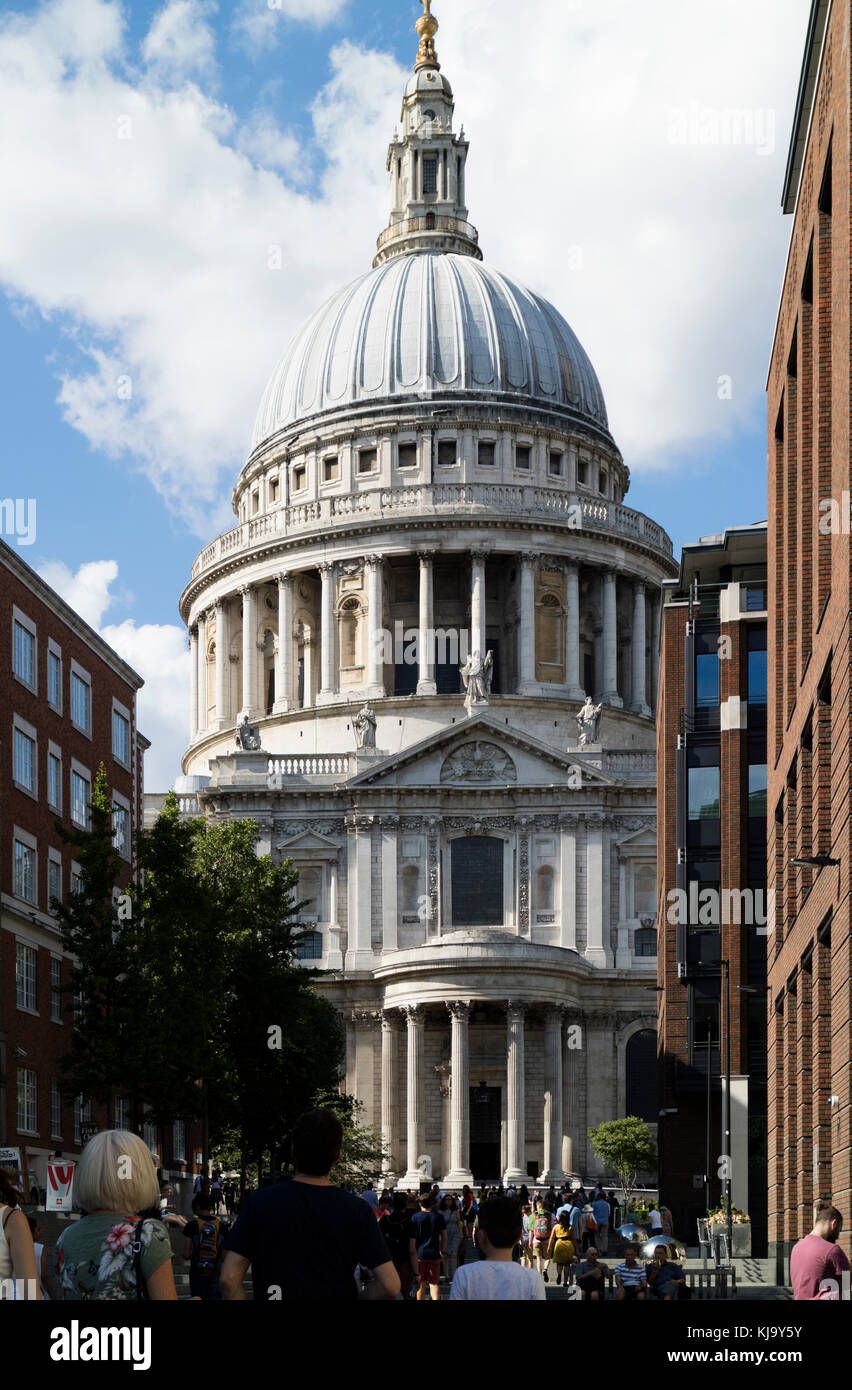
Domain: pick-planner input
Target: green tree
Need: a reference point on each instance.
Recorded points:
(248, 1038)
(627, 1148)
(363, 1156)
(108, 1047)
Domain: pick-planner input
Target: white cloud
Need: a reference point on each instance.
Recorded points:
(158, 652)
(132, 214)
(180, 42)
(256, 23)
(263, 141)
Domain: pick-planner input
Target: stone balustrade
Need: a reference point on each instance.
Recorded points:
(499, 501)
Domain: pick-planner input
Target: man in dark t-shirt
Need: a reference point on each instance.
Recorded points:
(398, 1231)
(305, 1239)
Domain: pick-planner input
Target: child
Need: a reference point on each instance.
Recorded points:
(203, 1246)
(498, 1276)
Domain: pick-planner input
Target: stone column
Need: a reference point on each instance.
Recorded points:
(202, 672)
(574, 688)
(328, 682)
(610, 693)
(359, 955)
(193, 683)
(574, 1099)
(515, 1129)
(390, 914)
(426, 635)
(596, 951)
(249, 651)
(390, 1091)
(640, 704)
(375, 625)
(459, 1173)
(222, 664)
(477, 602)
(553, 1171)
(568, 882)
(415, 1093)
(284, 655)
(334, 955)
(308, 657)
(526, 632)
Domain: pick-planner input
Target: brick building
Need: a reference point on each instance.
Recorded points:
(711, 846)
(68, 704)
(809, 656)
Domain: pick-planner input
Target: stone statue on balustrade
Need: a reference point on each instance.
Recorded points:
(364, 725)
(588, 722)
(477, 675)
(247, 736)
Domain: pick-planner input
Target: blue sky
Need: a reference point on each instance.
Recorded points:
(597, 125)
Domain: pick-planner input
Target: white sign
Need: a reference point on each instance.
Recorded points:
(60, 1184)
(11, 1158)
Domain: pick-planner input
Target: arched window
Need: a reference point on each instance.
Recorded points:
(410, 888)
(350, 616)
(309, 891)
(309, 947)
(645, 890)
(642, 1075)
(548, 643)
(544, 889)
(645, 941)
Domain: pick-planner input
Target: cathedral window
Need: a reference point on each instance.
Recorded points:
(477, 881)
(367, 460)
(407, 455)
(330, 469)
(583, 472)
(554, 464)
(447, 454)
(350, 614)
(300, 478)
(523, 453)
(544, 889)
(410, 888)
(430, 174)
(485, 456)
(255, 503)
(273, 489)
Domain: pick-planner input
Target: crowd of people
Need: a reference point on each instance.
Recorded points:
(308, 1239)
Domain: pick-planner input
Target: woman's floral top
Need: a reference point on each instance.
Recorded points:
(94, 1260)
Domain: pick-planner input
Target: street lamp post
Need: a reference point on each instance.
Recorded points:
(726, 1108)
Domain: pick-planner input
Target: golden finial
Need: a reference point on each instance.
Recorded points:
(427, 28)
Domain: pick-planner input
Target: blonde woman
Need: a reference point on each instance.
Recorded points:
(18, 1267)
(110, 1253)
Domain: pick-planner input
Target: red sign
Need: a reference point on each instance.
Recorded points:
(60, 1184)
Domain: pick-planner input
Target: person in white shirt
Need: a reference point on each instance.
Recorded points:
(656, 1221)
(498, 1277)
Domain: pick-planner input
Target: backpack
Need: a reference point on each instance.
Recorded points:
(207, 1247)
(541, 1229)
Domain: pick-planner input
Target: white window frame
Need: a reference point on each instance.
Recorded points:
(121, 1112)
(29, 626)
(54, 649)
(31, 1107)
(76, 873)
(20, 726)
(54, 751)
(54, 962)
(28, 841)
(54, 857)
(30, 975)
(179, 1141)
(82, 675)
(55, 1109)
(124, 713)
(121, 803)
(79, 770)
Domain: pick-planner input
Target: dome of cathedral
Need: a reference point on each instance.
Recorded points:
(429, 325)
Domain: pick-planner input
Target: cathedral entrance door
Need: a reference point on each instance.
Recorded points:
(485, 1113)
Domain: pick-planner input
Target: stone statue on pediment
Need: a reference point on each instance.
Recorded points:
(247, 736)
(476, 675)
(588, 722)
(364, 725)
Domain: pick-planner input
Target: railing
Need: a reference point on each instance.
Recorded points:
(577, 510)
(307, 765)
(622, 763)
(428, 222)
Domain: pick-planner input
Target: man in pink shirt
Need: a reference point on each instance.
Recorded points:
(817, 1264)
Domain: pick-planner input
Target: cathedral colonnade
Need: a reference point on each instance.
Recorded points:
(484, 1109)
(563, 626)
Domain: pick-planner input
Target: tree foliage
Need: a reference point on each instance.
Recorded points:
(627, 1148)
(363, 1156)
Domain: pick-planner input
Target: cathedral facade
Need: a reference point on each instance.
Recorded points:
(432, 568)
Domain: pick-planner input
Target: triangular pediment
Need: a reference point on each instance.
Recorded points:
(481, 752)
(309, 842)
(638, 840)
